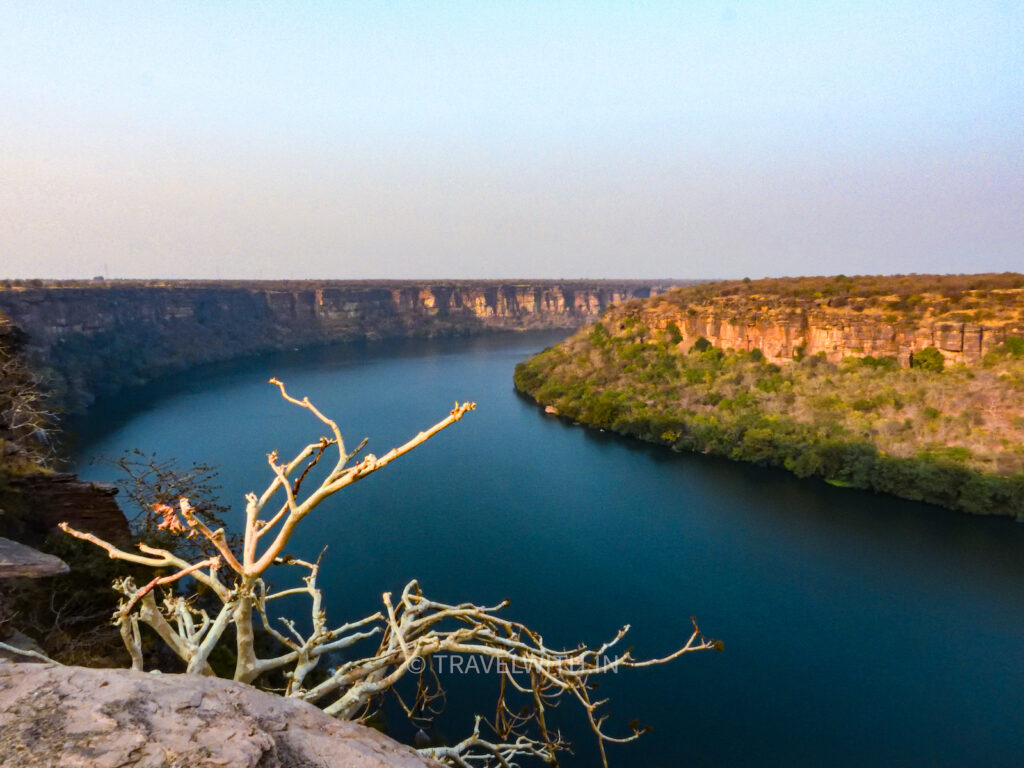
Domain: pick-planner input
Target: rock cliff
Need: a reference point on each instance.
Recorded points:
(73, 717)
(20, 562)
(845, 317)
(97, 336)
(52, 498)
(34, 499)
(840, 378)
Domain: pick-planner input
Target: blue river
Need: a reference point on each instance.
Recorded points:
(858, 629)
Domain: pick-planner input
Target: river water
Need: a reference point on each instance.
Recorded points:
(858, 629)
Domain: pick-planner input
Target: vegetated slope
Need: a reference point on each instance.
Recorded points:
(946, 432)
(964, 316)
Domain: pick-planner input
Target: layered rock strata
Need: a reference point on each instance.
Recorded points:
(95, 337)
(52, 498)
(783, 328)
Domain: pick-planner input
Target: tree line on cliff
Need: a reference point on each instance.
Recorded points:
(948, 435)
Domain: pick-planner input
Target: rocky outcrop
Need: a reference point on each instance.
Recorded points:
(20, 562)
(73, 717)
(95, 337)
(52, 498)
(34, 500)
(782, 335)
(783, 325)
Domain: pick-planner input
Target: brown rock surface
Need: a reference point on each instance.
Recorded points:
(97, 337)
(782, 325)
(55, 498)
(19, 561)
(73, 717)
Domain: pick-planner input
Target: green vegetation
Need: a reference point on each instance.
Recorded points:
(900, 297)
(928, 359)
(952, 436)
(901, 301)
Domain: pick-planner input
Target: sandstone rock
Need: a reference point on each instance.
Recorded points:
(19, 561)
(73, 717)
(22, 642)
(54, 498)
(781, 331)
(95, 338)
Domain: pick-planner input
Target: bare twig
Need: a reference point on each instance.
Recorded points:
(30, 653)
(413, 631)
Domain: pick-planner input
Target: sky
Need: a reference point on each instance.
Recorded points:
(510, 139)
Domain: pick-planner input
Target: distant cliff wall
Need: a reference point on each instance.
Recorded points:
(784, 327)
(781, 336)
(95, 337)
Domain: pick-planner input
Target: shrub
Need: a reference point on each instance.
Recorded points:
(887, 363)
(928, 359)
(1013, 346)
(701, 345)
(598, 335)
(674, 334)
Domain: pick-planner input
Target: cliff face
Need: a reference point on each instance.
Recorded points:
(95, 337)
(780, 335)
(812, 402)
(784, 326)
(55, 497)
(34, 500)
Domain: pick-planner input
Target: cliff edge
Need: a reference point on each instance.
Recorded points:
(963, 316)
(93, 337)
(909, 385)
(74, 717)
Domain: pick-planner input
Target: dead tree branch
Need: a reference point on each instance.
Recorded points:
(414, 632)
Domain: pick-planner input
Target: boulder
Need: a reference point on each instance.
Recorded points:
(57, 497)
(20, 561)
(74, 717)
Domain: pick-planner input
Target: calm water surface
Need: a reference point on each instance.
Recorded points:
(858, 629)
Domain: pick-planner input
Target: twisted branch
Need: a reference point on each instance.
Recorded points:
(413, 631)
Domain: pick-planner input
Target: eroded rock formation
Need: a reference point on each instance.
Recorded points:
(783, 326)
(73, 717)
(52, 498)
(20, 562)
(95, 337)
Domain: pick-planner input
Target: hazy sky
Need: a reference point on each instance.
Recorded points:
(525, 139)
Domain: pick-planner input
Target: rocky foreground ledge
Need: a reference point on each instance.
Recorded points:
(74, 717)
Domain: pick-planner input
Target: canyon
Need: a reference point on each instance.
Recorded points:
(92, 338)
(908, 385)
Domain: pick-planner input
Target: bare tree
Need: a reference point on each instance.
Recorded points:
(26, 420)
(411, 631)
(153, 484)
